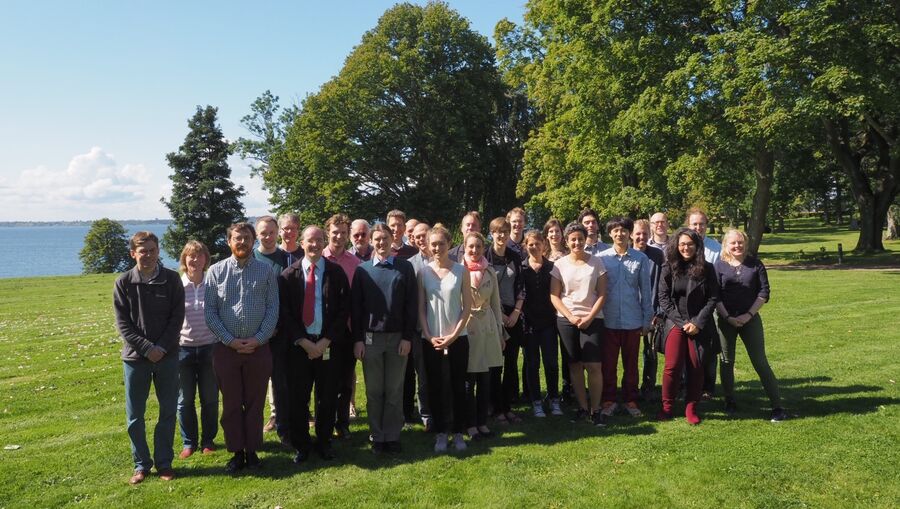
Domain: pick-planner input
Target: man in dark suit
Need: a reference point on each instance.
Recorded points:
(314, 312)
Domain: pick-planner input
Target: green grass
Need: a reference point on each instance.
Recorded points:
(808, 242)
(832, 341)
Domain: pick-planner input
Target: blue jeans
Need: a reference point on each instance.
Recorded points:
(164, 376)
(195, 370)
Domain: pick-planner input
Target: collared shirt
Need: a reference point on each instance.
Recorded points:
(241, 302)
(658, 245)
(418, 262)
(596, 249)
(316, 326)
(362, 256)
(629, 300)
(711, 249)
(346, 260)
(387, 262)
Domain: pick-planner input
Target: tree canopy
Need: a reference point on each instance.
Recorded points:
(105, 248)
(204, 199)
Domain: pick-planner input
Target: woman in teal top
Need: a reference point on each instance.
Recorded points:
(445, 303)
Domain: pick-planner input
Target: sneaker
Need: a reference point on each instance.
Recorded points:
(458, 443)
(598, 419)
(706, 396)
(632, 409)
(440, 443)
(778, 414)
(581, 415)
(730, 407)
(609, 408)
(270, 425)
(538, 409)
(554, 407)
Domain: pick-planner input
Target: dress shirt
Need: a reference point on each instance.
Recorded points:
(629, 300)
(241, 302)
(347, 260)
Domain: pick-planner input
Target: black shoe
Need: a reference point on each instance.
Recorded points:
(325, 451)
(778, 414)
(581, 415)
(598, 419)
(236, 463)
(730, 407)
(252, 460)
(286, 442)
(393, 447)
(378, 448)
(342, 432)
(301, 457)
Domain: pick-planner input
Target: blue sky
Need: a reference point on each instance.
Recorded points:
(95, 93)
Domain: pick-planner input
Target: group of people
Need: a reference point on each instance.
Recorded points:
(432, 323)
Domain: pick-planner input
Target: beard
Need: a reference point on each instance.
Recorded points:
(240, 251)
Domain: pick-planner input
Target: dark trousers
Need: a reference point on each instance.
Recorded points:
(541, 344)
(628, 342)
(455, 362)
(478, 387)
(345, 363)
(651, 363)
(279, 349)
(243, 379)
(505, 381)
(709, 359)
(681, 350)
(415, 380)
(304, 374)
(564, 362)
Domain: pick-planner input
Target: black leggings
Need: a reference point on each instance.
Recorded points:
(456, 363)
(478, 386)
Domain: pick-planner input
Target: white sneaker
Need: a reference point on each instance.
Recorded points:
(440, 443)
(609, 410)
(458, 443)
(554, 407)
(538, 409)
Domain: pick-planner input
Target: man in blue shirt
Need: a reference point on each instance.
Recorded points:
(627, 311)
(385, 307)
(242, 311)
(315, 297)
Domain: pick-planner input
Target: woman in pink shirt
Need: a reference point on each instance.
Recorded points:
(577, 291)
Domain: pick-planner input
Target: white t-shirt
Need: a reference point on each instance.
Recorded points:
(579, 283)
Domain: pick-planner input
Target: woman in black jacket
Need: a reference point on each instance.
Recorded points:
(688, 293)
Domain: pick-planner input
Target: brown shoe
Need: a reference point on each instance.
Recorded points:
(269, 425)
(209, 450)
(138, 477)
(186, 453)
(166, 474)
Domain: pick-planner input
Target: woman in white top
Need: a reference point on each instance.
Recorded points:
(444, 309)
(195, 351)
(577, 291)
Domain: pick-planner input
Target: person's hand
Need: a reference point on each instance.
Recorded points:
(585, 323)
(690, 329)
(437, 342)
(155, 354)
(734, 322)
(575, 320)
(654, 321)
(743, 319)
(359, 350)
(404, 348)
(511, 319)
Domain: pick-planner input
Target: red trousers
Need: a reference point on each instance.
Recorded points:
(680, 349)
(243, 379)
(628, 342)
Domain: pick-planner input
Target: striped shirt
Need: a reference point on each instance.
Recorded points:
(241, 302)
(194, 331)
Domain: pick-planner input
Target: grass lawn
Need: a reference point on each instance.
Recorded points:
(807, 242)
(832, 337)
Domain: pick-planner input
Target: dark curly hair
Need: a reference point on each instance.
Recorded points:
(695, 267)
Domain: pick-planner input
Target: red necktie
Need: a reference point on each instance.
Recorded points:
(309, 297)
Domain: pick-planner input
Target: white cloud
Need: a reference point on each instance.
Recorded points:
(95, 185)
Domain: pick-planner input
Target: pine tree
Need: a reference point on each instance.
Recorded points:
(105, 248)
(204, 199)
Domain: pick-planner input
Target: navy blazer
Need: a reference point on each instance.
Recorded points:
(702, 296)
(335, 303)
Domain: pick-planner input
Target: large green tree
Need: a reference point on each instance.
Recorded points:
(105, 248)
(417, 119)
(204, 199)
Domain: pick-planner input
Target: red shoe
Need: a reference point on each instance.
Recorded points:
(186, 453)
(690, 413)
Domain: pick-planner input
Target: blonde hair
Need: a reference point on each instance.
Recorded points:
(477, 235)
(725, 255)
(193, 247)
(439, 229)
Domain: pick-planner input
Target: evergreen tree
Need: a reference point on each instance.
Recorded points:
(204, 199)
(105, 248)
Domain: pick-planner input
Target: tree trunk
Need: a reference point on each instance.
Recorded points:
(872, 207)
(764, 169)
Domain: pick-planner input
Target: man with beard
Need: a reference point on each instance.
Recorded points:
(591, 222)
(315, 307)
(242, 311)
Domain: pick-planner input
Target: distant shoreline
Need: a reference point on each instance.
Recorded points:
(9, 224)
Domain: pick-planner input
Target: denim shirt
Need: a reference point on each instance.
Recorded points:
(629, 300)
